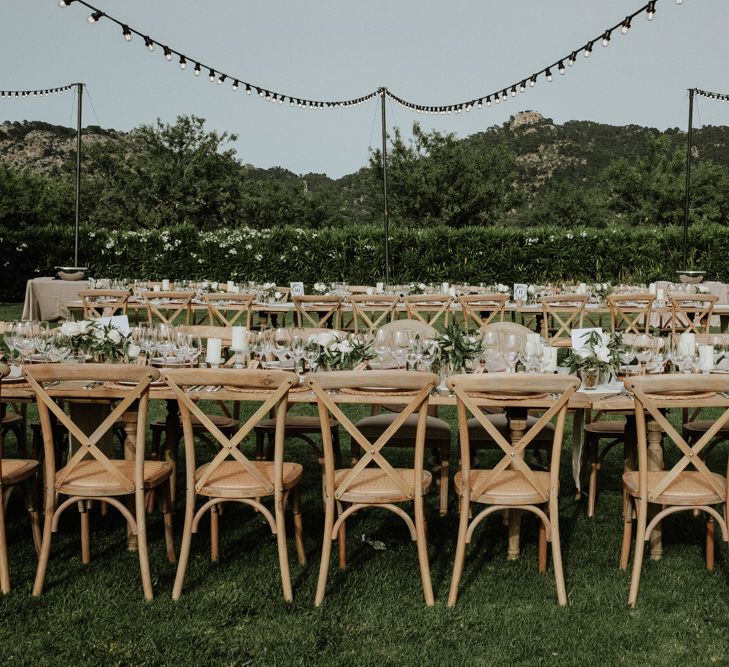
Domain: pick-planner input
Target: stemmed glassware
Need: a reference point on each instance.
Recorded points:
(399, 342)
(298, 351)
(24, 339)
(491, 355)
(512, 346)
(282, 344)
(381, 345)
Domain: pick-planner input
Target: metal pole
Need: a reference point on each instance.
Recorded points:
(80, 91)
(383, 94)
(688, 179)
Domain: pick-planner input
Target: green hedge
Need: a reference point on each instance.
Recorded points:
(355, 254)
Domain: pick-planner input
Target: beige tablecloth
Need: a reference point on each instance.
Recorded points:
(45, 297)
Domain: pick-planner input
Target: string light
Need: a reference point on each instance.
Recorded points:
(501, 94)
(720, 97)
(37, 93)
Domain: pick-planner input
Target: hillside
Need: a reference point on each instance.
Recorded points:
(527, 168)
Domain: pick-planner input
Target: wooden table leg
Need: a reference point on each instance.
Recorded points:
(130, 448)
(517, 426)
(655, 462)
(579, 454)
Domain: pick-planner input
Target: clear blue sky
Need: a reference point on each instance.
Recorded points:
(426, 51)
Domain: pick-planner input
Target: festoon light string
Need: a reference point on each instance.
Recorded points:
(214, 74)
(37, 93)
(722, 97)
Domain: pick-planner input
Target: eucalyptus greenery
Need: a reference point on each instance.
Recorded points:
(600, 352)
(457, 347)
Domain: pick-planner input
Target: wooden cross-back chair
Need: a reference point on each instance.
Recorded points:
(372, 311)
(228, 309)
(691, 313)
(231, 476)
(104, 302)
(168, 307)
(318, 311)
(428, 308)
(482, 309)
(560, 314)
(511, 484)
(689, 485)
(373, 481)
(16, 473)
(89, 473)
(630, 313)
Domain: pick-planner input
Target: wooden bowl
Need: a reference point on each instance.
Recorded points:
(71, 272)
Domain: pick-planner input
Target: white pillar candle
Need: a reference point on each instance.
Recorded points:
(165, 284)
(688, 343)
(231, 286)
(451, 291)
(380, 288)
(155, 288)
(370, 291)
(444, 287)
(652, 288)
(214, 349)
(582, 288)
(238, 341)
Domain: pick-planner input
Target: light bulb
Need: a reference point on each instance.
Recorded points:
(211, 75)
(93, 18)
(522, 86)
(532, 81)
(588, 50)
(248, 89)
(560, 67)
(183, 62)
(235, 84)
(149, 43)
(197, 69)
(221, 78)
(651, 10)
(126, 33)
(572, 58)
(168, 53)
(606, 38)
(488, 101)
(548, 73)
(626, 25)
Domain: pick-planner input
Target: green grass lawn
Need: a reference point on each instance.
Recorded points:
(232, 612)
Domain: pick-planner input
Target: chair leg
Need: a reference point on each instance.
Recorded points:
(422, 541)
(4, 567)
(342, 538)
(592, 487)
(326, 552)
(627, 531)
(542, 547)
(142, 545)
(557, 551)
(298, 525)
(185, 546)
(283, 554)
(638, 554)
(514, 534)
(214, 534)
(710, 541)
(460, 551)
(85, 537)
(45, 552)
(445, 462)
(31, 502)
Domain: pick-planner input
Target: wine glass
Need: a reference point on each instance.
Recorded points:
(59, 350)
(311, 354)
(428, 353)
(412, 354)
(165, 341)
(491, 355)
(399, 342)
(511, 348)
(381, 345)
(296, 346)
(24, 339)
(282, 343)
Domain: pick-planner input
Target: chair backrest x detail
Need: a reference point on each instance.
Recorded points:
(692, 313)
(274, 385)
(653, 394)
(317, 311)
(169, 307)
(630, 313)
(519, 392)
(104, 302)
(562, 313)
(228, 309)
(482, 308)
(428, 308)
(416, 385)
(372, 311)
(74, 383)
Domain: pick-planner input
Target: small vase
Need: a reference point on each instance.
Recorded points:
(590, 377)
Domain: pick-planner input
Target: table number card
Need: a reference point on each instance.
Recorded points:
(520, 291)
(297, 289)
